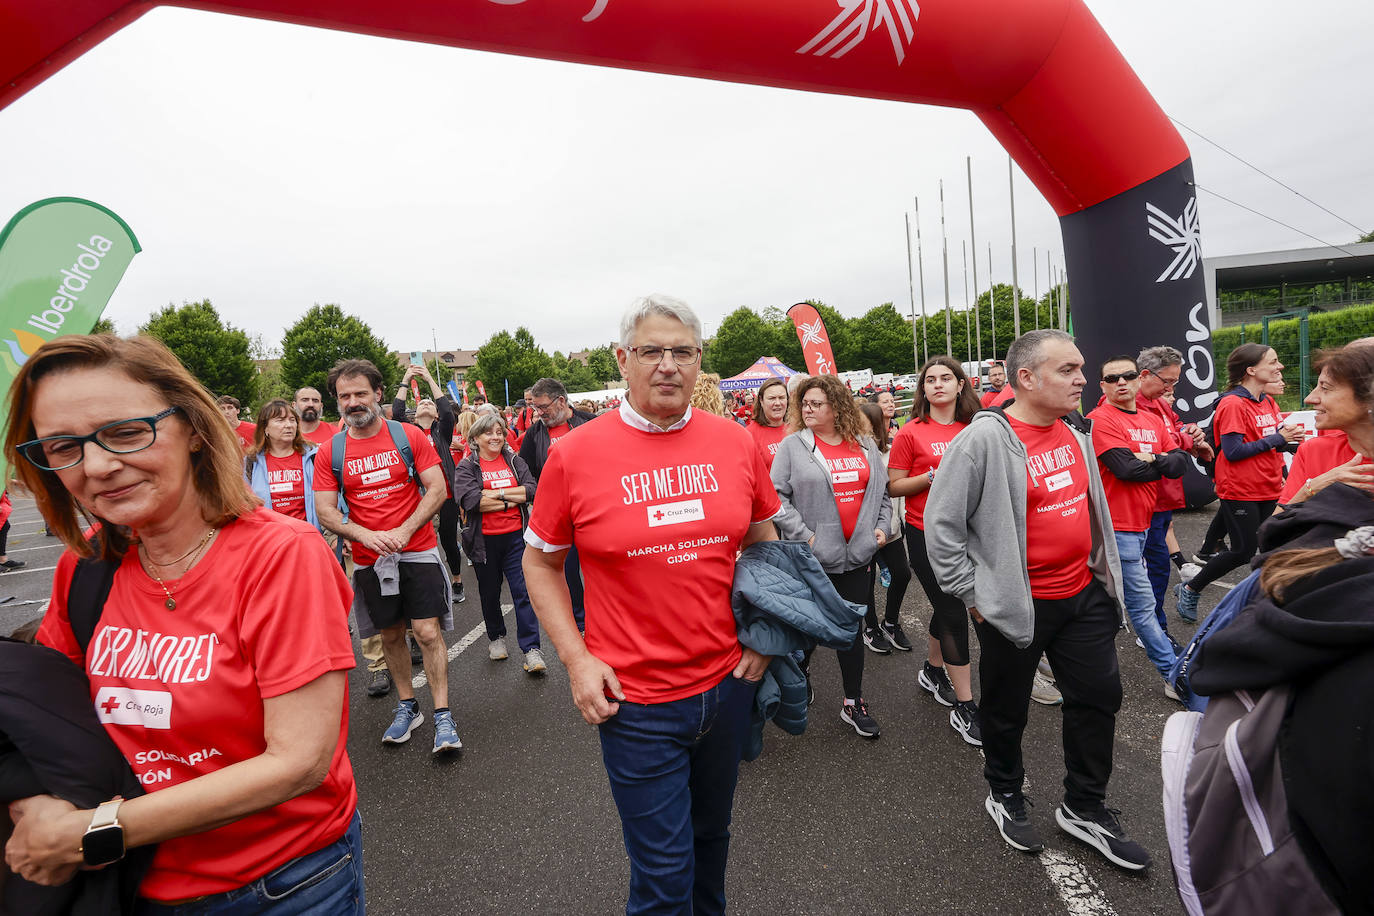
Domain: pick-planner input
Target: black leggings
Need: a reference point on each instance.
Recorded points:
(1242, 518)
(448, 538)
(851, 585)
(948, 616)
(4, 537)
(894, 556)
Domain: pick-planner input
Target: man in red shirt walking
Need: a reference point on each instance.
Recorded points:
(658, 499)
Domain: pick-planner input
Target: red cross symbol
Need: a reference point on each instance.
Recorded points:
(658, 516)
(110, 705)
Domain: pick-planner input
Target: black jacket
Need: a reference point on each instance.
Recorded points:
(467, 491)
(440, 432)
(534, 448)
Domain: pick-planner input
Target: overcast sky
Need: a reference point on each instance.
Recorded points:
(436, 191)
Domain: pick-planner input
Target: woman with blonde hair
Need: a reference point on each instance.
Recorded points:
(829, 476)
(706, 395)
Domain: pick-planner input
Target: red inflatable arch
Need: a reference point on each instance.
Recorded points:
(1041, 74)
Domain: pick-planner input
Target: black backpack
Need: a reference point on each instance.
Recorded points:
(91, 583)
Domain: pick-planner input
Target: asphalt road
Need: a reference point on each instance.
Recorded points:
(825, 822)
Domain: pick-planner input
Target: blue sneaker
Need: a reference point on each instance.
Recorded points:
(1187, 602)
(445, 733)
(408, 718)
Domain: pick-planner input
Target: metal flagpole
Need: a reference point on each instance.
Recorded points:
(1015, 288)
(944, 247)
(992, 302)
(968, 335)
(1063, 301)
(1049, 283)
(973, 246)
(915, 349)
(921, 273)
(1035, 267)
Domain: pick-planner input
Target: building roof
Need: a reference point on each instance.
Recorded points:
(1292, 267)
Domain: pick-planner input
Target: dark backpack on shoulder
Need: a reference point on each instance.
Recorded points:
(91, 583)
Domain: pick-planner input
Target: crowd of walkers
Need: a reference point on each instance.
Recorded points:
(1043, 520)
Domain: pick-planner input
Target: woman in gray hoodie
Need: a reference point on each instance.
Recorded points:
(831, 480)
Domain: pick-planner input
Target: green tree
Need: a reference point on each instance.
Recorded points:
(104, 326)
(602, 366)
(215, 353)
(513, 358)
(882, 340)
(323, 336)
(573, 374)
(740, 340)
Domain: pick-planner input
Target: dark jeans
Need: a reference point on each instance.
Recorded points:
(948, 616)
(326, 882)
(892, 557)
(854, 585)
(672, 768)
(1157, 561)
(448, 538)
(1242, 518)
(504, 552)
(572, 572)
(1078, 635)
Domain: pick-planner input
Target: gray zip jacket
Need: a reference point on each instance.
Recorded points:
(803, 483)
(976, 524)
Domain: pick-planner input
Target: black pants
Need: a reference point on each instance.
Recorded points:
(894, 556)
(1078, 635)
(851, 584)
(4, 537)
(948, 616)
(448, 538)
(1242, 518)
(572, 574)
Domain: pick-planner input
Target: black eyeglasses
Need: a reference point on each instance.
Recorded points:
(652, 356)
(1122, 376)
(122, 437)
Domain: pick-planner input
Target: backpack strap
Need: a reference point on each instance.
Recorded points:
(402, 443)
(90, 586)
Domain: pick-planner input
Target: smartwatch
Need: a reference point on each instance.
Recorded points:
(103, 841)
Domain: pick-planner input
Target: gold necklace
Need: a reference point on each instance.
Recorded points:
(171, 602)
(199, 544)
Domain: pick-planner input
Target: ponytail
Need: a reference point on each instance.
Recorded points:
(1286, 568)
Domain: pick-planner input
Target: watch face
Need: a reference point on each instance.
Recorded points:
(103, 845)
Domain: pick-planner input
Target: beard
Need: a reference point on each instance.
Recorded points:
(362, 417)
(310, 414)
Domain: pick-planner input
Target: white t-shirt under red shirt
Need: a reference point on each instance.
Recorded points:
(377, 484)
(657, 519)
(286, 484)
(849, 473)
(1058, 521)
(497, 475)
(1132, 503)
(917, 449)
(181, 691)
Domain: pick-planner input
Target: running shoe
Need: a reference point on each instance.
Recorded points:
(1171, 693)
(496, 651)
(885, 577)
(12, 564)
(445, 733)
(1187, 602)
(937, 682)
(876, 641)
(856, 714)
(1008, 812)
(1102, 830)
(379, 685)
(1044, 692)
(1204, 556)
(1188, 571)
(1043, 666)
(963, 718)
(534, 662)
(896, 635)
(459, 596)
(408, 718)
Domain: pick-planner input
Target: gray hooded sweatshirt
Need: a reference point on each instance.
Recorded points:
(976, 524)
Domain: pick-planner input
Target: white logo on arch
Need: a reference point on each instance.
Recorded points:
(857, 19)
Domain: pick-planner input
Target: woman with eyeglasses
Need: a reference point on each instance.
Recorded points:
(280, 466)
(829, 476)
(221, 680)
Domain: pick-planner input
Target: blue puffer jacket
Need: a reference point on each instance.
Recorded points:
(784, 602)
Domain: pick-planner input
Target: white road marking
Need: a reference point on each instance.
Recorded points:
(457, 648)
(1080, 893)
(27, 569)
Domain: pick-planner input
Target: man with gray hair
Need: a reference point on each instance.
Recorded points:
(658, 499)
(1020, 488)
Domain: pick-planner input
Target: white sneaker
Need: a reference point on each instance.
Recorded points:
(1044, 692)
(496, 651)
(1043, 666)
(534, 662)
(1188, 571)
(1171, 693)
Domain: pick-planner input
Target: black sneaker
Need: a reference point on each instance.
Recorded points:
(1008, 812)
(963, 718)
(856, 714)
(896, 636)
(876, 641)
(1204, 556)
(1102, 830)
(459, 596)
(379, 685)
(937, 682)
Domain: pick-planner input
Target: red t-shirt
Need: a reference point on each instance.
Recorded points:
(657, 519)
(849, 473)
(1315, 457)
(181, 692)
(1169, 493)
(918, 447)
(286, 484)
(377, 485)
(1001, 397)
(1132, 503)
(322, 434)
(992, 394)
(558, 432)
(767, 438)
(497, 475)
(246, 431)
(1261, 476)
(1059, 534)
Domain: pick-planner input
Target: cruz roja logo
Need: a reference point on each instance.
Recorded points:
(857, 19)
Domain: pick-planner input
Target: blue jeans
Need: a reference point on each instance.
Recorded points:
(326, 882)
(504, 553)
(1140, 600)
(1157, 560)
(672, 768)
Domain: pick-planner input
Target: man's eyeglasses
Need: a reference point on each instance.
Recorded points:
(652, 356)
(1121, 376)
(543, 408)
(122, 437)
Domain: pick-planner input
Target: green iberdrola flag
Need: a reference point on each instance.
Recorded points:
(60, 261)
